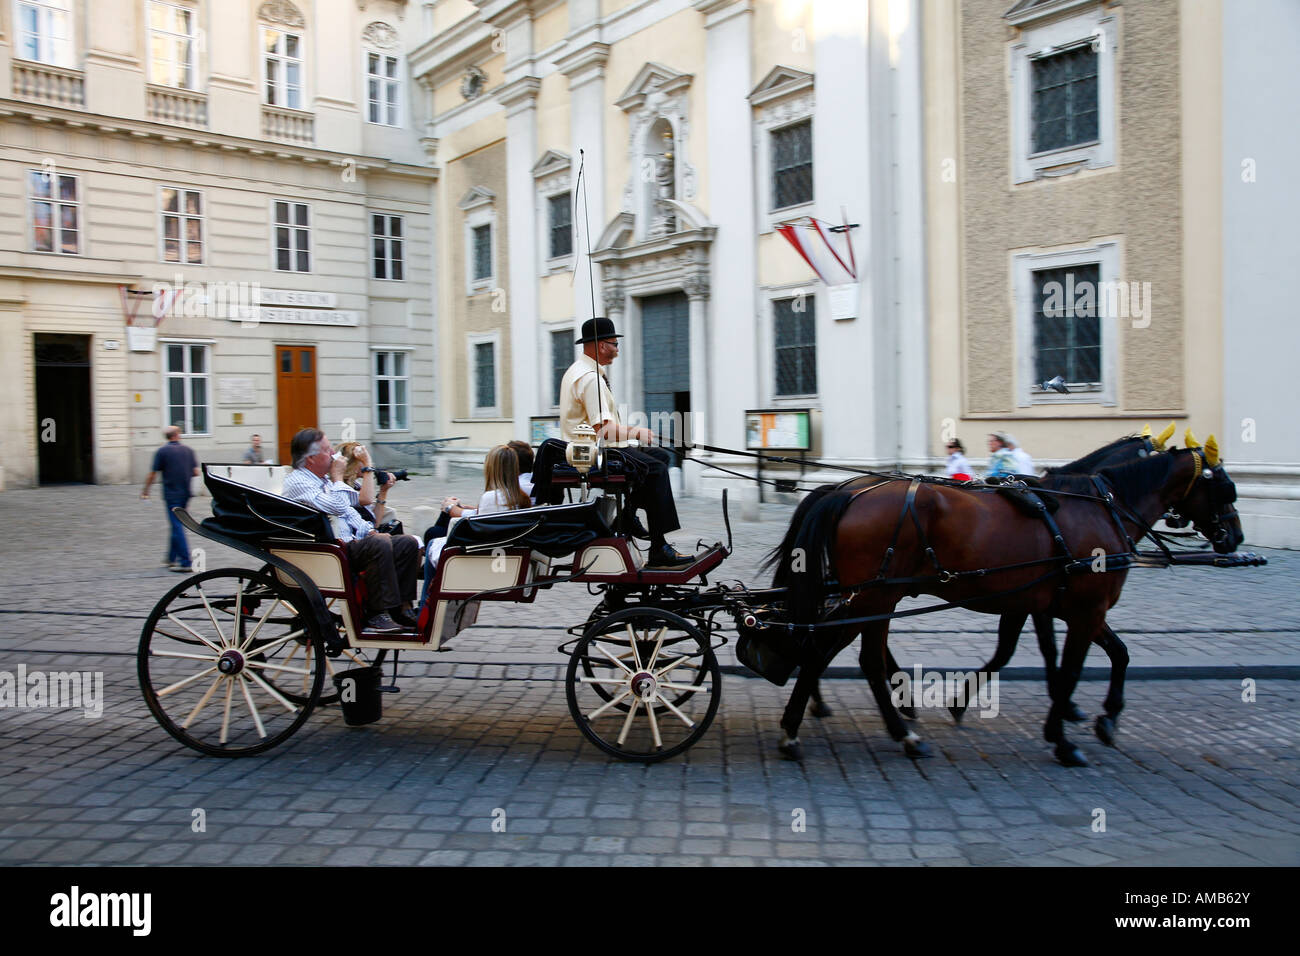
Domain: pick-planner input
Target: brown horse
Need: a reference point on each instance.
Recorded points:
(890, 540)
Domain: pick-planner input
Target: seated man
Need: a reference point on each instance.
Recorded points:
(389, 564)
(585, 398)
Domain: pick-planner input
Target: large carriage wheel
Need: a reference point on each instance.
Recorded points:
(643, 684)
(230, 663)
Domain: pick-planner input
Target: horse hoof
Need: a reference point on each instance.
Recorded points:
(1072, 713)
(1070, 755)
(791, 751)
(917, 749)
(819, 710)
(908, 712)
(1105, 728)
(957, 713)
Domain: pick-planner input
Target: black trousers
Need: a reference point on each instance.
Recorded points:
(653, 492)
(390, 566)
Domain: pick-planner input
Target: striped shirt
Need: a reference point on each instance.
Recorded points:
(332, 497)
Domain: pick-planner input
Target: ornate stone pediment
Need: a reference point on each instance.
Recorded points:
(477, 196)
(780, 81)
(653, 83)
(552, 161)
(281, 11)
(380, 35)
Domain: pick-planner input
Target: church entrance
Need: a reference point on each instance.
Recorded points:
(666, 365)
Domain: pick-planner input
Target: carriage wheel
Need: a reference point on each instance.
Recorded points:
(643, 684)
(218, 656)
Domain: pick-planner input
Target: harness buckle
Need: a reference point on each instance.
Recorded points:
(946, 577)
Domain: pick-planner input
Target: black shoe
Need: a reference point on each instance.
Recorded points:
(403, 617)
(383, 624)
(668, 557)
(633, 528)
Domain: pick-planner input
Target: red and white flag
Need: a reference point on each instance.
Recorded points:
(828, 253)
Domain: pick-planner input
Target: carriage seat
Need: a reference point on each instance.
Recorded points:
(552, 530)
(253, 514)
(1021, 491)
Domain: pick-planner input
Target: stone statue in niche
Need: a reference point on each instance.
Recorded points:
(663, 220)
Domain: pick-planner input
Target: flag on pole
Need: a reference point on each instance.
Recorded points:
(828, 253)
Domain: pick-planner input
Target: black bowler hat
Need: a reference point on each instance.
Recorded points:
(593, 330)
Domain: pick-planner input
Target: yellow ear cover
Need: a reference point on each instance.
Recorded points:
(1164, 436)
(1190, 440)
(1146, 431)
(1211, 452)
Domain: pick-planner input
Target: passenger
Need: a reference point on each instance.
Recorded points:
(957, 467)
(502, 492)
(524, 452)
(359, 474)
(388, 564)
(1006, 457)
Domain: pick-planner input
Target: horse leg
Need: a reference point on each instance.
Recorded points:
(1046, 631)
(818, 708)
(872, 659)
(1079, 634)
(1114, 703)
(805, 686)
(1010, 625)
(892, 668)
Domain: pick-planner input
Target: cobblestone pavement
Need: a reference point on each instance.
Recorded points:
(481, 734)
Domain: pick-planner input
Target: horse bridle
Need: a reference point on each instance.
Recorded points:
(1223, 494)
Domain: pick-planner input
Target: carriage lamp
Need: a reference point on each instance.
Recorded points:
(583, 451)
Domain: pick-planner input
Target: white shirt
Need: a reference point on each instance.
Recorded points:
(1024, 464)
(489, 504)
(958, 465)
(581, 404)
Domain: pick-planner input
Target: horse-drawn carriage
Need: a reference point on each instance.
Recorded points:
(233, 661)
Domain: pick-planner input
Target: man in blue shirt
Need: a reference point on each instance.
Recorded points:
(389, 564)
(177, 464)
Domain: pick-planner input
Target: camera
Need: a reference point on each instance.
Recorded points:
(382, 476)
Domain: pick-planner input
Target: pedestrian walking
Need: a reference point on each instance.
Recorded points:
(254, 455)
(957, 467)
(1006, 457)
(177, 464)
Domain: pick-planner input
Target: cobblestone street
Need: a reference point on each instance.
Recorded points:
(481, 734)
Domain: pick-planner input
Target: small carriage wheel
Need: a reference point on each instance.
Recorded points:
(347, 659)
(217, 656)
(632, 658)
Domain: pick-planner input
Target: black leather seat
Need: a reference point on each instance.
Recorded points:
(553, 530)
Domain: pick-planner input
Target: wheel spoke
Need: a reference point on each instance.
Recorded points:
(272, 645)
(616, 681)
(654, 655)
(197, 636)
(291, 708)
(249, 639)
(186, 682)
(627, 724)
(183, 655)
(654, 725)
(609, 703)
(252, 709)
(262, 665)
(216, 681)
(680, 716)
(626, 670)
(636, 654)
(225, 716)
(211, 616)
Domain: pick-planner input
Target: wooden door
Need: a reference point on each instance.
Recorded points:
(295, 394)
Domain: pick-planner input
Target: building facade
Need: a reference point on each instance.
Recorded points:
(697, 127)
(256, 171)
(1094, 212)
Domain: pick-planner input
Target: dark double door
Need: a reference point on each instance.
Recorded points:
(666, 364)
(64, 428)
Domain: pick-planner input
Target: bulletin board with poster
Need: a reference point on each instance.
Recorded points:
(542, 427)
(778, 429)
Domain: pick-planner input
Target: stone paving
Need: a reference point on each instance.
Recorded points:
(481, 735)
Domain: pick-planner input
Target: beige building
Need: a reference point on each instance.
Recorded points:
(1080, 158)
(256, 164)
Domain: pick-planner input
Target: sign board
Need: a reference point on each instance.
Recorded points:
(317, 300)
(303, 316)
(543, 427)
(236, 391)
(778, 429)
(141, 338)
(844, 300)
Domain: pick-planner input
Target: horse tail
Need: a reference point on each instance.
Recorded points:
(780, 555)
(814, 540)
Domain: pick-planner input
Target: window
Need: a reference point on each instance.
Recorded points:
(44, 32)
(561, 225)
(562, 349)
(1067, 326)
(382, 87)
(792, 182)
(292, 232)
(173, 36)
(1063, 90)
(482, 252)
(1068, 305)
(282, 62)
(182, 225)
(386, 246)
(795, 338)
(391, 391)
(186, 381)
(484, 384)
(1065, 99)
(56, 212)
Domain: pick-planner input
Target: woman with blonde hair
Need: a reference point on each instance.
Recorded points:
(501, 493)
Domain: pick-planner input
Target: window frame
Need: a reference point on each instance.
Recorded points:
(1095, 26)
(472, 340)
(57, 218)
(563, 258)
(193, 38)
(391, 350)
(784, 211)
(168, 375)
(789, 295)
(567, 328)
(786, 97)
(61, 52)
(275, 262)
(1104, 254)
(263, 56)
(388, 239)
(398, 82)
(182, 216)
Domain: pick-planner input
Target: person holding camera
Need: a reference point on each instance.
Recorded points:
(360, 474)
